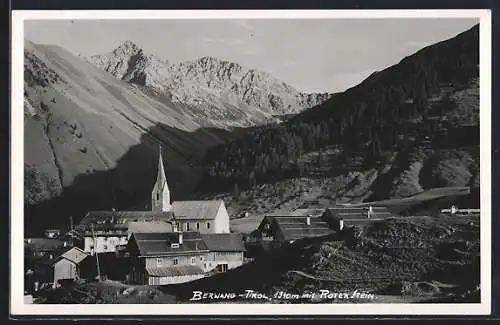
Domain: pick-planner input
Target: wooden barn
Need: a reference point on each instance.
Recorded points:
(281, 230)
(67, 265)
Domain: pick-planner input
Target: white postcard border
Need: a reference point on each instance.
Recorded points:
(17, 160)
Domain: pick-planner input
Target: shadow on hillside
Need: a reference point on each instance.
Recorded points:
(128, 185)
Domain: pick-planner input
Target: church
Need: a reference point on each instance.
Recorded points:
(107, 231)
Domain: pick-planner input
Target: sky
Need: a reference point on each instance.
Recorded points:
(312, 55)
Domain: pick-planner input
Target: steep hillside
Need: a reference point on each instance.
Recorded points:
(410, 127)
(97, 138)
(221, 92)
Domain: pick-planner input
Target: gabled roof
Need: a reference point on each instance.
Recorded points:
(231, 242)
(296, 227)
(149, 227)
(174, 270)
(305, 212)
(346, 213)
(73, 254)
(203, 210)
(43, 244)
(111, 220)
(159, 244)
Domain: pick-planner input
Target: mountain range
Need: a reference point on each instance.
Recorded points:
(408, 128)
(92, 126)
(92, 129)
(221, 92)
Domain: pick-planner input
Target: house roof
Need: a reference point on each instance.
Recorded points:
(73, 254)
(159, 244)
(43, 244)
(295, 227)
(204, 210)
(347, 213)
(174, 270)
(231, 242)
(305, 212)
(121, 217)
(149, 227)
(113, 221)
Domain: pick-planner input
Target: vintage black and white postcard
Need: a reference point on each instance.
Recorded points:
(251, 162)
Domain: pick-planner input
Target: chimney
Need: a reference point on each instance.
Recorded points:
(180, 238)
(308, 220)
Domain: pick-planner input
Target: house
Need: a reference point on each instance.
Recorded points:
(177, 257)
(282, 230)
(52, 233)
(454, 210)
(226, 250)
(39, 254)
(67, 265)
(104, 231)
(42, 248)
(167, 258)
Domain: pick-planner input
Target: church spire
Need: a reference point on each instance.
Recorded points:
(160, 196)
(161, 179)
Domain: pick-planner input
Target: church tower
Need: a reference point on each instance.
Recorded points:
(160, 197)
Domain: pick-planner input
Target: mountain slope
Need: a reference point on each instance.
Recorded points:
(214, 89)
(410, 127)
(97, 137)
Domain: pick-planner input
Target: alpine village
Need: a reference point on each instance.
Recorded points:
(372, 190)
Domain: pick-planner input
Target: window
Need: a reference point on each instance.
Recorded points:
(201, 258)
(105, 247)
(193, 260)
(187, 225)
(174, 245)
(159, 261)
(208, 225)
(157, 196)
(197, 225)
(91, 246)
(175, 261)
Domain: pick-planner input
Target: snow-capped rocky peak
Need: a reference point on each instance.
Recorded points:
(208, 84)
(126, 48)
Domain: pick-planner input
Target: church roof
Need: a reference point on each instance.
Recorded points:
(205, 210)
(149, 227)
